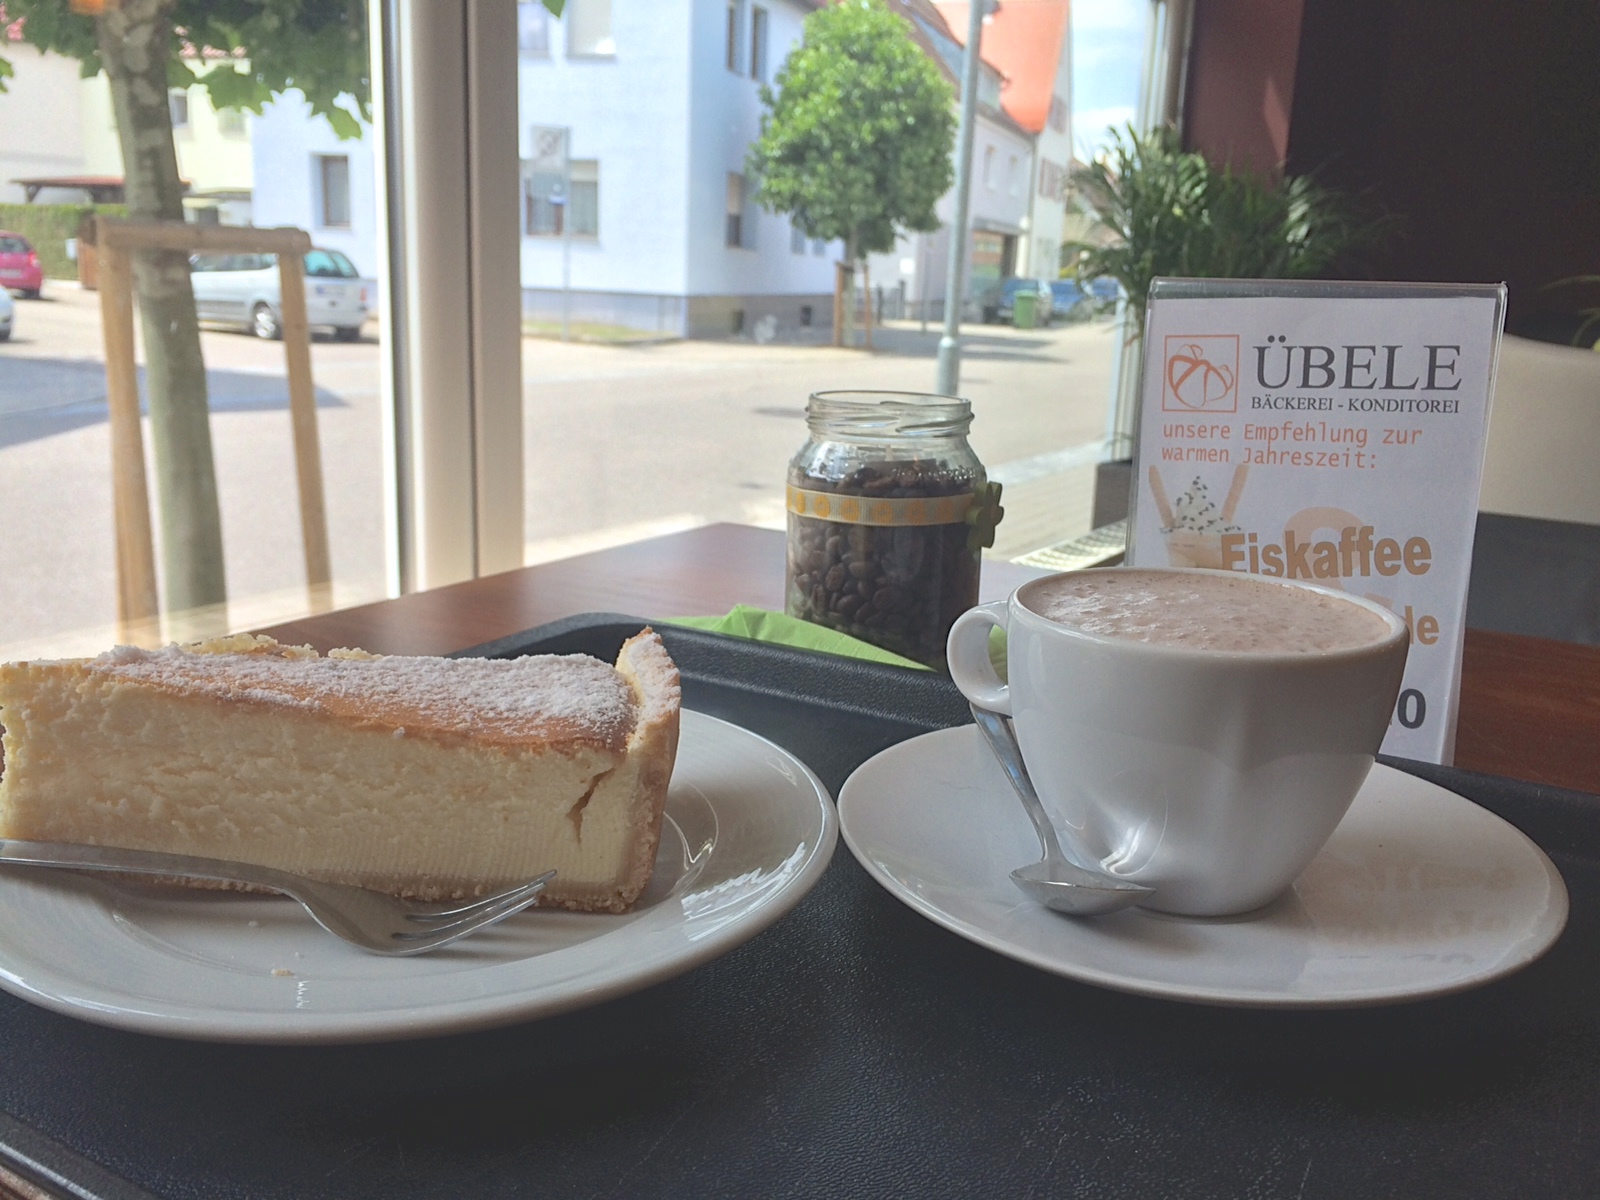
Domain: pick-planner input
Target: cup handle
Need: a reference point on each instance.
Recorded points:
(967, 654)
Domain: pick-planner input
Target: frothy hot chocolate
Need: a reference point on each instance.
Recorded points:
(1235, 613)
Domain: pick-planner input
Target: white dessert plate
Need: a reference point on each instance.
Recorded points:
(1418, 893)
(748, 831)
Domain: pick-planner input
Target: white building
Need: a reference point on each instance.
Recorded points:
(41, 122)
(651, 226)
(662, 102)
(911, 278)
(1031, 45)
(56, 125)
(310, 178)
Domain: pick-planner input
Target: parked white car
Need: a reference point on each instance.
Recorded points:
(8, 309)
(242, 290)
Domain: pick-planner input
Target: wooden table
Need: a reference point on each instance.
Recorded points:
(1530, 708)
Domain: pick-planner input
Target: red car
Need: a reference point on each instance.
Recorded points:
(19, 265)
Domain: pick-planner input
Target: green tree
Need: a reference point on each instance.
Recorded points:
(856, 141)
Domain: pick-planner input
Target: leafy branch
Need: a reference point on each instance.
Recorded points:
(1162, 211)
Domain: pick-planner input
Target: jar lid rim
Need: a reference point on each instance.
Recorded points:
(888, 413)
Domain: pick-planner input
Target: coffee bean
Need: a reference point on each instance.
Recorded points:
(900, 587)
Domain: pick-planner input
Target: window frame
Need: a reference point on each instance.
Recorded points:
(450, 318)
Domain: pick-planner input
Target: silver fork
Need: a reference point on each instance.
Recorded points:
(374, 921)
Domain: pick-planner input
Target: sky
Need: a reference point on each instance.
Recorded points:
(1107, 55)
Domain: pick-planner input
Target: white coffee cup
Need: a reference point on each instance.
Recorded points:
(1209, 770)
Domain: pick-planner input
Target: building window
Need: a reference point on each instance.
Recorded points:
(533, 29)
(735, 231)
(589, 28)
(230, 122)
(334, 171)
(584, 205)
(1058, 115)
(178, 106)
(758, 44)
(734, 40)
(988, 166)
(550, 206)
(543, 197)
(741, 217)
(1052, 180)
(797, 240)
(819, 247)
(1013, 176)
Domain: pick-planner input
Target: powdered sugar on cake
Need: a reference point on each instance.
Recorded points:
(533, 699)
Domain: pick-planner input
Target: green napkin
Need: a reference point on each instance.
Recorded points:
(780, 629)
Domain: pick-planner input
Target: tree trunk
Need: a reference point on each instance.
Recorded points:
(838, 303)
(850, 292)
(866, 290)
(136, 43)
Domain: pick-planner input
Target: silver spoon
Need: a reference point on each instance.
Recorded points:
(1054, 881)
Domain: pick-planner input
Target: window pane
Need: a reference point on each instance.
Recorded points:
(758, 44)
(284, 167)
(585, 203)
(541, 202)
(533, 29)
(335, 190)
(589, 27)
(730, 301)
(736, 207)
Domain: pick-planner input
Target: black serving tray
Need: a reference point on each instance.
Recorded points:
(857, 1050)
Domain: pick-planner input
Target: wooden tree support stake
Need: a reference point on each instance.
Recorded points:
(137, 598)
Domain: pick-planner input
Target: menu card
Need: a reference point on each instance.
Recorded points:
(1327, 432)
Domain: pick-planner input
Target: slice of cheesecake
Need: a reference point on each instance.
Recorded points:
(425, 777)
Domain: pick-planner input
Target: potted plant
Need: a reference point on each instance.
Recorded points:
(1158, 210)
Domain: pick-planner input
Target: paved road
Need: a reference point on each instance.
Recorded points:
(621, 441)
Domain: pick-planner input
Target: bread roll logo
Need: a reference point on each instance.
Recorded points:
(1202, 373)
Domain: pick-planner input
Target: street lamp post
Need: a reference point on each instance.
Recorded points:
(949, 377)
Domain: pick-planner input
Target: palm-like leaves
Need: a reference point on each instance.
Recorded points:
(1169, 213)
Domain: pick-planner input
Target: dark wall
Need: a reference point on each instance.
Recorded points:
(1241, 81)
(1478, 121)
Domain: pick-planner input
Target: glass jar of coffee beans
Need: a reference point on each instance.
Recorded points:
(889, 512)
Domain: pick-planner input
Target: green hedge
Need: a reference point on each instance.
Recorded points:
(48, 226)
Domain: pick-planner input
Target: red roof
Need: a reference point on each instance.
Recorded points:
(1025, 40)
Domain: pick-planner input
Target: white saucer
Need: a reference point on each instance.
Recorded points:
(1418, 893)
(748, 831)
